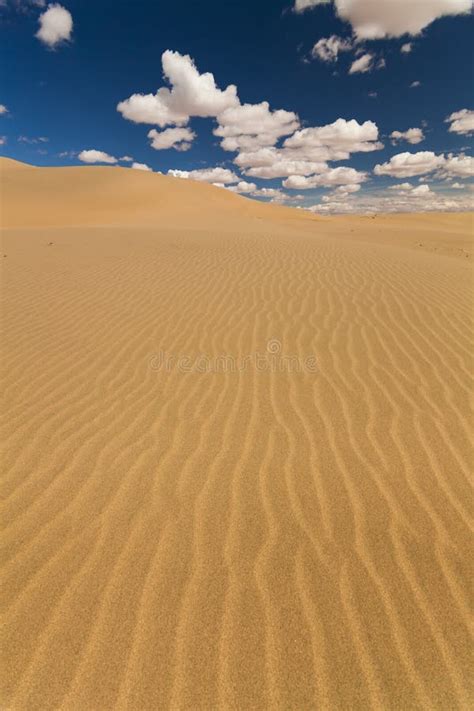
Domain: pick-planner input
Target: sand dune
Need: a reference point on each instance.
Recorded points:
(281, 519)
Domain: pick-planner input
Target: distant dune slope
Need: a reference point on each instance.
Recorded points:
(95, 195)
(237, 451)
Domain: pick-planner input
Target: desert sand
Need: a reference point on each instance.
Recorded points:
(236, 451)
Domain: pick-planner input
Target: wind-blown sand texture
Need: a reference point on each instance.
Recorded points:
(247, 539)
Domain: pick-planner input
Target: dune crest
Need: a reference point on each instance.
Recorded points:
(237, 450)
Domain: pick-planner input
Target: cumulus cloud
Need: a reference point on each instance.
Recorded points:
(411, 135)
(327, 179)
(415, 201)
(415, 84)
(242, 187)
(3, 109)
(347, 189)
(176, 173)
(275, 195)
(307, 151)
(410, 190)
(460, 166)
(55, 26)
(207, 175)
(141, 166)
(301, 5)
(363, 64)
(178, 138)
(191, 94)
(250, 126)
(401, 187)
(420, 190)
(251, 130)
(327, 48)
(375, 19)
(276, 163)
(342, 137)
(407, 165)
(92, 155)
(341, 193)
(406, 48)
(285, 168)
(461, 122)
(3, 140)
(126, 159)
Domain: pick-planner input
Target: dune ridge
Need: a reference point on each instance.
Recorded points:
(232, 537)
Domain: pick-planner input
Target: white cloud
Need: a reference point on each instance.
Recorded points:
(341, 137)
(126, 159)
(242, 187)
(285, 168)
(3, 140)
(406, 48)
(241, 126)
(330, 178)
(307, 151)
(460, 166)
(141, 166)
(411, 135)
(271, 193)
(178, 138)
(252, 130)
(415, 200)
(275, 195)
(151, 108)
(346, 189)
(55, 25)
(176, 173)
(421, 190)
(3, 110)
(407, 165)
(415, 84)
(461, 122)
(191, 94)
(364, 64)
(94, 156)
(375, 19)
(32, 141)
(251, 126)
(207, 175)
(301, 5)
(328, 48)
(342, 192)
(276, 163)
(401, 187)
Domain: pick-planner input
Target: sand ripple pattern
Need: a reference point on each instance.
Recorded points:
(250, 539)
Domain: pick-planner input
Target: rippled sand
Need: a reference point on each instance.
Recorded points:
(237, 450)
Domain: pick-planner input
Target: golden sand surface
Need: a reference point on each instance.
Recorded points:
(236, 450)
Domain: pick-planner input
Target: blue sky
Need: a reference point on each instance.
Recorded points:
(67, 66)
